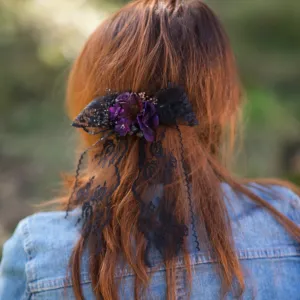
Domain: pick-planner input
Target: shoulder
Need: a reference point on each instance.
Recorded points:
(253, 225)
(47, 232)
(12, 267)
(48, 241)
(280, 197)
(43, 231)
(28, 256)
(49, 227)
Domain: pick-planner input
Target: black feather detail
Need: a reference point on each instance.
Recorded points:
(96, 114)
(174, 107)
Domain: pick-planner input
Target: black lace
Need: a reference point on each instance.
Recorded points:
(158, 167)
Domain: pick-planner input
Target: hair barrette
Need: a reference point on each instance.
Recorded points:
(139, 114)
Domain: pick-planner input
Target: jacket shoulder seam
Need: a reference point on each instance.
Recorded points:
(28, 248)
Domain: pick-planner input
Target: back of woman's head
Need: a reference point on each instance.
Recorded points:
(156, 191)
(147, 44)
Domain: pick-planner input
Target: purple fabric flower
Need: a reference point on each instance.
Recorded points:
(123, 126)
(148, 121)
(115, 112)
(124, 112)
(129, 111)
(131, 104)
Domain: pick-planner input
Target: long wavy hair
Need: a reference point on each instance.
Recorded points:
(143, 47)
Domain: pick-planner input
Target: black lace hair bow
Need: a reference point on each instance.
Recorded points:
(138, 114)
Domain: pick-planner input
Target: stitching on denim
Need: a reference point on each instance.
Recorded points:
(60, 282)
(29, 265)
(252, 254)
(27, 295)
(196, 259)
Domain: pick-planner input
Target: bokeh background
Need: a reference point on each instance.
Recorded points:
(39, 39)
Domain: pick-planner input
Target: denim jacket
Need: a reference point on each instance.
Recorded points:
(35, 259)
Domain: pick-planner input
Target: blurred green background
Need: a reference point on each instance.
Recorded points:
(39, 39)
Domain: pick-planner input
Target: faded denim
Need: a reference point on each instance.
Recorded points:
(35, 258)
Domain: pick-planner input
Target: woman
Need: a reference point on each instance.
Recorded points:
(156, 214)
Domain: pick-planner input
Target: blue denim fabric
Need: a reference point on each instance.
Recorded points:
(35, 258)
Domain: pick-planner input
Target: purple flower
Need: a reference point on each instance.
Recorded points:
(148, 121)
(115, 112)
(124, 112)
(131, 104)
(130, 112)
(123, 126)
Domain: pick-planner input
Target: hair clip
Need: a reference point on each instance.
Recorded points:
(139, 114)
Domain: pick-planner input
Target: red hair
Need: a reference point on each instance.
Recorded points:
(142, 47)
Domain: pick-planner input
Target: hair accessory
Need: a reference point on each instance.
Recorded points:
(159, 168)
(137, 114)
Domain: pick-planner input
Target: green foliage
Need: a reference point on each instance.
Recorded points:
(26, 81)
(33, 126)
(295, 178)
(266, 41)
